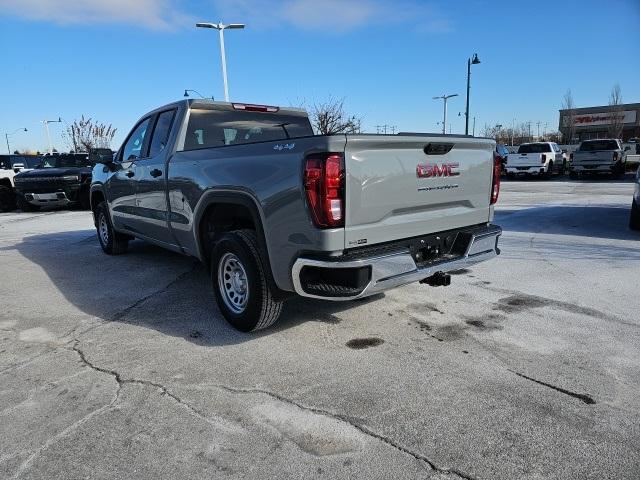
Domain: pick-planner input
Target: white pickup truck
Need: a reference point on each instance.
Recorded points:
(538, 158)
(599, 156)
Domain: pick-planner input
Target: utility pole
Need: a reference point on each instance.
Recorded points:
(538, 124)
(444, 119)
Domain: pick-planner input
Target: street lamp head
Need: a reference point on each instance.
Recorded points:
(235, 25)
(206, 25)
(475, 60)
(186, 94)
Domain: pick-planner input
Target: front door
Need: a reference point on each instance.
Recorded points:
(122, 185)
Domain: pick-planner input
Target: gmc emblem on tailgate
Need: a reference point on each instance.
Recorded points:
(431, 170)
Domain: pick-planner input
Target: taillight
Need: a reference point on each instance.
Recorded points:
(495, 181)
(615, 156)
(543, 158)
(571, 157)
(324, 185)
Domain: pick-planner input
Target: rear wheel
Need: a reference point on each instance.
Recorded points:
(7, 199)
(549, 173)
(112, 242)
(634, 219)
(240, 283)
(26, 206)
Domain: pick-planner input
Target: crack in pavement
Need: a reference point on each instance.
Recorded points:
(125, 311)
(343, 418)
(580, 396)
(121, 381)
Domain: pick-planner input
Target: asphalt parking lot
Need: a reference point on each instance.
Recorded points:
(527, 366)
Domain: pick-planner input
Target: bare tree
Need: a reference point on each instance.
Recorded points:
(84, 134)
(569, 120)
(329, 117)
(617, 115)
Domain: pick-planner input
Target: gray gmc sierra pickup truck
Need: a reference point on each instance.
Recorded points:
(275, 210)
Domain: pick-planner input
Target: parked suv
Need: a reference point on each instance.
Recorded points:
(58, 180)
(7, 191)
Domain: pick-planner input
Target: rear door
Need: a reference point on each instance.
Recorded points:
(151, 196)
(406, 186)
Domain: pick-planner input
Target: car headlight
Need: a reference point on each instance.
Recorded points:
(71, 178)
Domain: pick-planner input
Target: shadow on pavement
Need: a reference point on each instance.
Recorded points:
(599, 221)
(175, 290)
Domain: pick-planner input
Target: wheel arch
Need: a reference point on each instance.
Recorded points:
(243, 210)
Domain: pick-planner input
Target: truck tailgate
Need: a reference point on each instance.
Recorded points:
(523, 160)
(594, 157)
(405, 186)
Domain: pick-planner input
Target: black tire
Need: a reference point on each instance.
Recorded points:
(634, 218)
(112, 242)
(549, 173)
(26, 206)
(7, 199)
(511, 175)
(240, 282)
(573, 175)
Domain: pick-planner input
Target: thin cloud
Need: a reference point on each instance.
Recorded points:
(151, 14)
(330, 16)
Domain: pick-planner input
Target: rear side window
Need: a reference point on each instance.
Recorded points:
(217, 128)
(534, 148)
(594, 145)
(161, 132)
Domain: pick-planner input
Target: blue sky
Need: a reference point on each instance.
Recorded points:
(113, 60)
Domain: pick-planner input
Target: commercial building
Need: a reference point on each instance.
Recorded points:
(601, 122)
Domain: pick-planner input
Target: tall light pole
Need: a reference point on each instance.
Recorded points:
(221, 27)
(7, 135)
(46, 127)
(471, 61)
(444, 118)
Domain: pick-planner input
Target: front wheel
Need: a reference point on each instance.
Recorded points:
(634, 219)
(26, 206)
(112, 242)
(240, 283)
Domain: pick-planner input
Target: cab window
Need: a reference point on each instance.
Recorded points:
(132, 149)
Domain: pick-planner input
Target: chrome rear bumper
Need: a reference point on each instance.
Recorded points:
(399, 268)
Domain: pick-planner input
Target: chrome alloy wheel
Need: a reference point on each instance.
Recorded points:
(233, 283)
(103, 229)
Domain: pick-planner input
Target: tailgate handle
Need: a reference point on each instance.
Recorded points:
(438, 148)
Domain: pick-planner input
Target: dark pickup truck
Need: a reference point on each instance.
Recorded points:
(58, 180)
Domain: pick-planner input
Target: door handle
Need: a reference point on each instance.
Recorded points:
(130, 173)
(155, 173)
